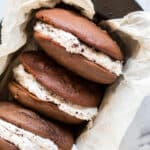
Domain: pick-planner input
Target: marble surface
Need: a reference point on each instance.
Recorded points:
(145, 4)
(2, 8)
(138, 135)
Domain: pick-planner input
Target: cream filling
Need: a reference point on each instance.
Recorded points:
(29, 82)
(74, 46)
(23, 139)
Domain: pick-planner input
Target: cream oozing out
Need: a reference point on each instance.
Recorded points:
(73, 45)
(23, 139)
(30, 83)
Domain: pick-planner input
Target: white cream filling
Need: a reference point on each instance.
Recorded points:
(23, 139)
(74, 46)
(29, 82)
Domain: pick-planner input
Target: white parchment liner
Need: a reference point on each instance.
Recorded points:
(123, 99)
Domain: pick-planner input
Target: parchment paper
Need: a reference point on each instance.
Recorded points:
(18, 14)
(123, 99)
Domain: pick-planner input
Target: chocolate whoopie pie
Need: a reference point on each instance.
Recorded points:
(78, 44)
(22, 129)
(41, 84)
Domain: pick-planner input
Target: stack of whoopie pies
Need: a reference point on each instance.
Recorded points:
(60, 82)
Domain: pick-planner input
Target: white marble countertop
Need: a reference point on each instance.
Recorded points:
(145, 4)
(2, 8)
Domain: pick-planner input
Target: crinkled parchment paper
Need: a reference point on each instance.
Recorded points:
(16, 18)
(123, 98)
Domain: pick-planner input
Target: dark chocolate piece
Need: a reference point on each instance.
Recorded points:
(115, 8)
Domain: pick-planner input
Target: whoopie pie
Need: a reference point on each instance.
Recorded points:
(22, 129)
(78, 44)
(41, 84)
